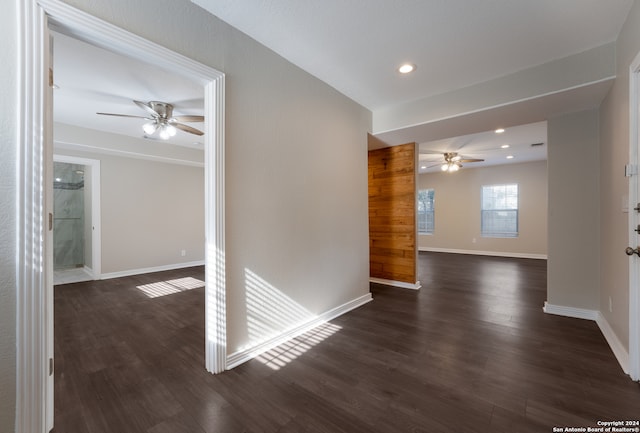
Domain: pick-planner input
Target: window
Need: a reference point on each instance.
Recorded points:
(425, 211)
(500, 211)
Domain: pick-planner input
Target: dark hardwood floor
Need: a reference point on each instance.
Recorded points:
(471, 351)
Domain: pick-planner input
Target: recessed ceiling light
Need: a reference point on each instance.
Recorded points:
(406, 68)
(423, 167)
(505, 146)
(499, 130)
(510, 157)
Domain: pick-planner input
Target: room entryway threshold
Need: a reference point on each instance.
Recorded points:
(71, 275)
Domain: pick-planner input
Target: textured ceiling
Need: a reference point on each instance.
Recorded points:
(356, 45)
(517, 142)
(91, 80)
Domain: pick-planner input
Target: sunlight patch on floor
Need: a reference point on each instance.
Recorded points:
(169, 287)
(283, 354)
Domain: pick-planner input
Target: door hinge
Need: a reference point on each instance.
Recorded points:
(50, 366)
(51, 77)
(630, 170)
(50, 221)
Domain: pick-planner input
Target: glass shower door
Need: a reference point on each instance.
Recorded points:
(69, 218)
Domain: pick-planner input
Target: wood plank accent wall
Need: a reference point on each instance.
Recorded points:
(392, 213)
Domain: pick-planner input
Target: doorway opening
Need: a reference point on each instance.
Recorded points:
(34, 303)
(69, 221)
(76, 219)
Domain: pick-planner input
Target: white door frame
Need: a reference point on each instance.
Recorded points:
(96, 230)
(634, 220)
(34, 272)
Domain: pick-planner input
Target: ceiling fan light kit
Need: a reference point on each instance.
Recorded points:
(162, 120)
(166, 130)
(450, 167)
(149, 128)
(453, 162)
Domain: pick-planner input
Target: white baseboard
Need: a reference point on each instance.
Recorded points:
(612, 339)
(486, 253)
(242, 356)
(577, 313)
(614, 342)
(90, 272)
(130, 272)
(393, 283)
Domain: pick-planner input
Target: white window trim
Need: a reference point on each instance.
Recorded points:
(482, 210)
(427, 233)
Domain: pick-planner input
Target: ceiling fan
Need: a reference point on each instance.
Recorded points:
(453, 162)
(161, 119)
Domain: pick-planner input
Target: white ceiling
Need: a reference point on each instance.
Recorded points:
(488, 146)
(92, 80)
(356, 45)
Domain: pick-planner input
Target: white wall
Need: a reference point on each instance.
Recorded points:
(574, 206)
(8, 190)
(150, 212)
(296, 168)
(297, 206)
(457, 209)
(614, 154)
(296, 172)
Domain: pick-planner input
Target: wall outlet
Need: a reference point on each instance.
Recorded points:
(183, 253)
(610, 305)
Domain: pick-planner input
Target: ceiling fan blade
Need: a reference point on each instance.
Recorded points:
(188, 118)
(187, 128)
(426, 151)
(470, 160)
(462, 142)
(146, 108)
(122, 115)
